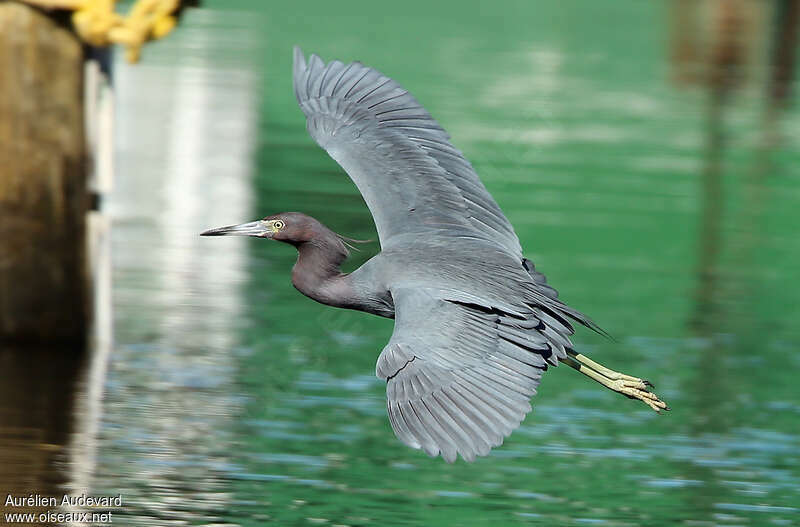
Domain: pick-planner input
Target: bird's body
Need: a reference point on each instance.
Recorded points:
(472, 270)
(475, 324)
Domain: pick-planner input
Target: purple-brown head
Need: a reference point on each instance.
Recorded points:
(290, 227)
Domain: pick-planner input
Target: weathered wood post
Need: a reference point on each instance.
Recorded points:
(44, 287)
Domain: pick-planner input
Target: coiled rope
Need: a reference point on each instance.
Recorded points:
(98, 24)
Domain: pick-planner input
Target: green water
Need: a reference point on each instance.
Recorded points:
(231, 399)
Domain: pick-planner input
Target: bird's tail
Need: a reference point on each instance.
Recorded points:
(547, 290)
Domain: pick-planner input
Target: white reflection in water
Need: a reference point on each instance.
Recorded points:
(185, 129)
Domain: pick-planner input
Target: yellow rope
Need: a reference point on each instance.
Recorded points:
(97, 23)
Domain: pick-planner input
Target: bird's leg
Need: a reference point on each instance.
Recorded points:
(609, 373)
(632, 387)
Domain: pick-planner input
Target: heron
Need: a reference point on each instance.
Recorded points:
(476, 325)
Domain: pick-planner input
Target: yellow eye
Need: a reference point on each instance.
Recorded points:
(278, 224)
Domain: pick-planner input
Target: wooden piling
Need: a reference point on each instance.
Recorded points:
(44, 289)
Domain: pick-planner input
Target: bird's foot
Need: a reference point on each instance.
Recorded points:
(637, 389)
(627, 385)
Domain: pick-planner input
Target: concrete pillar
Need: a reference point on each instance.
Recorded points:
(44, 289)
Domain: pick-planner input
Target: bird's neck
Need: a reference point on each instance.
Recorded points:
(317, 272)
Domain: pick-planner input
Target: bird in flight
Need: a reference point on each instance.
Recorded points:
(476, 325)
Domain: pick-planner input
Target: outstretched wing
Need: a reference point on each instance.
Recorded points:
(459, 375)
(412, 179)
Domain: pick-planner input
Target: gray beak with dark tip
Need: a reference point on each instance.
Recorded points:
(259, 228)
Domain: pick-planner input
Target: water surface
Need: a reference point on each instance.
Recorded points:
(233, 400)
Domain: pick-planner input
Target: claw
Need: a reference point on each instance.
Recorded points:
(638, 392)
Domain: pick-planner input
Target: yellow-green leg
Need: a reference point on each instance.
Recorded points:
(632, 387)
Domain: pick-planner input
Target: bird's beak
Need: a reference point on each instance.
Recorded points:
(259, 228)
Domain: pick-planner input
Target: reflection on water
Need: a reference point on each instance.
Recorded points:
(232, 400)
(185, 135)
(39, 391)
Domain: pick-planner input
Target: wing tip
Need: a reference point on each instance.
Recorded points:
(303, 72)
(299, 68)
(299, 59)
(315, 61)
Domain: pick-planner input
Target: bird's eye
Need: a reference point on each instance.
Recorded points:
(279, 224)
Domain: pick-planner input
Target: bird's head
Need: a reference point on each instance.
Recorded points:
(290, 227)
